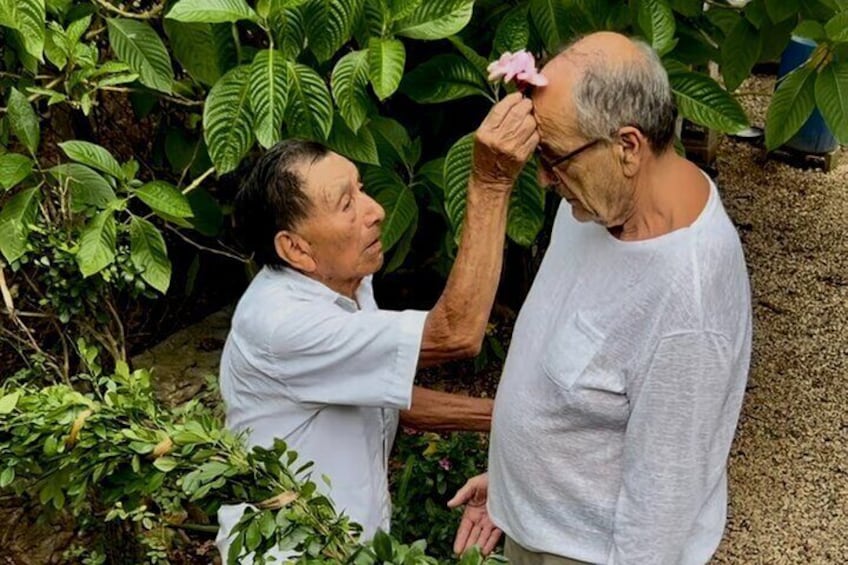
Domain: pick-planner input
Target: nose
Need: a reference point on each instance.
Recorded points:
(375, 212)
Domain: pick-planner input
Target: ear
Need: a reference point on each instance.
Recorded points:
(633, 149)
(295, 251)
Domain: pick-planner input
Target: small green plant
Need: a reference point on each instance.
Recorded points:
(430, 469)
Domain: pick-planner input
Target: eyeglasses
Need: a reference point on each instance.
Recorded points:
(549, 165)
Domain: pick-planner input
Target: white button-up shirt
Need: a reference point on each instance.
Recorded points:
(327, 375)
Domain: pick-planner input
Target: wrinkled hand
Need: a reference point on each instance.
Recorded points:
(475, 528)
(505, 141)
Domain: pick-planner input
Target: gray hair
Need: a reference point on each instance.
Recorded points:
(611, 95)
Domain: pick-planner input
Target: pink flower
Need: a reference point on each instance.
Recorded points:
(519, 65)
(445, 464)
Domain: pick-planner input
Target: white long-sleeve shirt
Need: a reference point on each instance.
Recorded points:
(621, 393)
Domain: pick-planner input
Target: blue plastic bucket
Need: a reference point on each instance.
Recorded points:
(814, 136)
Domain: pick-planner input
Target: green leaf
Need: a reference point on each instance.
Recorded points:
(166, 463)
(478, 61)
(657, 21)
(837, 27)
(704, 102)
(513, 32)
(329, 25)
(553, 20)
(227, 120)
(402, 249)
(832, 98)
(386, 59)
(206, 51)
(139, 46)
(779, 10)
(8, 403)
(383, 546)
(94, 156)
(689, 8)
(87, 188)
(268, 95)
(739, 52)
(28, 18)
(149, 254)
(15, 220)
(7, 476)
(207, 214)
(310, 109)
(457, 173)
(211, 11)
(289, 29)
(252, 536)
(164, 197)
(793, 102)
(396, 199)
(13, 169)
(359, 146)
(435, 19)
(810, 29)
(348, 82)
(97, 244)
(23, 120)
(443, 78)
(393, 141)
(526, 207)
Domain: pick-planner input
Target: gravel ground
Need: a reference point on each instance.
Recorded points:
(789, 463)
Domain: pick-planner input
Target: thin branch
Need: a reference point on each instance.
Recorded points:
(121, 334)
(196, 182)
(185, 238)
(174, 99)
(148, 15)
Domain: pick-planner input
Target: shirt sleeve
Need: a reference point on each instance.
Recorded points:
(676, 445)
(364, 358)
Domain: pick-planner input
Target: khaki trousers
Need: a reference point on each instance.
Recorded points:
(517, 555)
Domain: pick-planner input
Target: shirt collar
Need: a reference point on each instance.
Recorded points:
(307, 287)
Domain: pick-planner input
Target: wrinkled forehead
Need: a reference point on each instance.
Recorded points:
(325, 179)
(554, 109)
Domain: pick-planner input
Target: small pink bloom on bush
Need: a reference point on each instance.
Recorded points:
(445, 464)
(520, 65)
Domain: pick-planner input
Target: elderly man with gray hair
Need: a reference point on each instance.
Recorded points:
(625, 376)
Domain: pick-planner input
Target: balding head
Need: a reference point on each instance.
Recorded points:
(609, 81)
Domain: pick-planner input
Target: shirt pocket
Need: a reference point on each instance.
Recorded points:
(570, 350)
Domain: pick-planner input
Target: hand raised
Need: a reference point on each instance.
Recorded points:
(505, 141)
(475, 528)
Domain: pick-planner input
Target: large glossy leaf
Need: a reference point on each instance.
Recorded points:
(779, 10)
(268, 95)
(206, 51)
(793, 102)
(164, 198)
(435, 19)
(349, 83)
(443, 78)
(15, 219)
(227, 119)
(513, 31)
(740, 50)
(359, 146)
(386, 59)
(689, 8)
(657, 21)
(207, 216)
(22, 120)
(396, 199)
(704, 102)
(402, 248)
(526, 207)
(139, 46)
(470, 55)
(13, 169)
(289, 29)
(28, 18)
(393, 142)
(97, 244)
(329, 24)
(149, 254)
(837, 27)
(92, 155)
(310, 109)
(211, 11)
(87, 188)
(553, 20)
(832, 98)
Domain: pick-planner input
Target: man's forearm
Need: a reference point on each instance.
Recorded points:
(444, 412)
(457, 323)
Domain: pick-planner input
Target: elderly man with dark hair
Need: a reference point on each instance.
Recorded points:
(625, 375)
(311, 359)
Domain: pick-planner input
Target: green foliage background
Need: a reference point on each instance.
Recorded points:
(122, 127)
